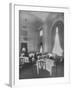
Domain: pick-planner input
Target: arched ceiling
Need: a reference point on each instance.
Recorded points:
(27, 19)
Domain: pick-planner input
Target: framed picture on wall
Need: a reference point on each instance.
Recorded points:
(39, 49)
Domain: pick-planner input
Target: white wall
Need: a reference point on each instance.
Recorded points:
(4, 42)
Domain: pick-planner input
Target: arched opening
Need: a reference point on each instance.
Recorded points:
(57, 37)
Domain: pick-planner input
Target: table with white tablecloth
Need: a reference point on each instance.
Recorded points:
(45, 64)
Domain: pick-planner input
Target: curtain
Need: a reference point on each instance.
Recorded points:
(60, 26)
(61, 35)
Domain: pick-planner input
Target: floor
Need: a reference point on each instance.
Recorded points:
(29, 71)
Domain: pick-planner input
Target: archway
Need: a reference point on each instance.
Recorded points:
(60, 26)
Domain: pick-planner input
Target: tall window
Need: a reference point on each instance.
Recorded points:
(57, 47)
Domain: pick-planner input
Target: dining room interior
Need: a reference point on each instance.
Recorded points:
(41, 44)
